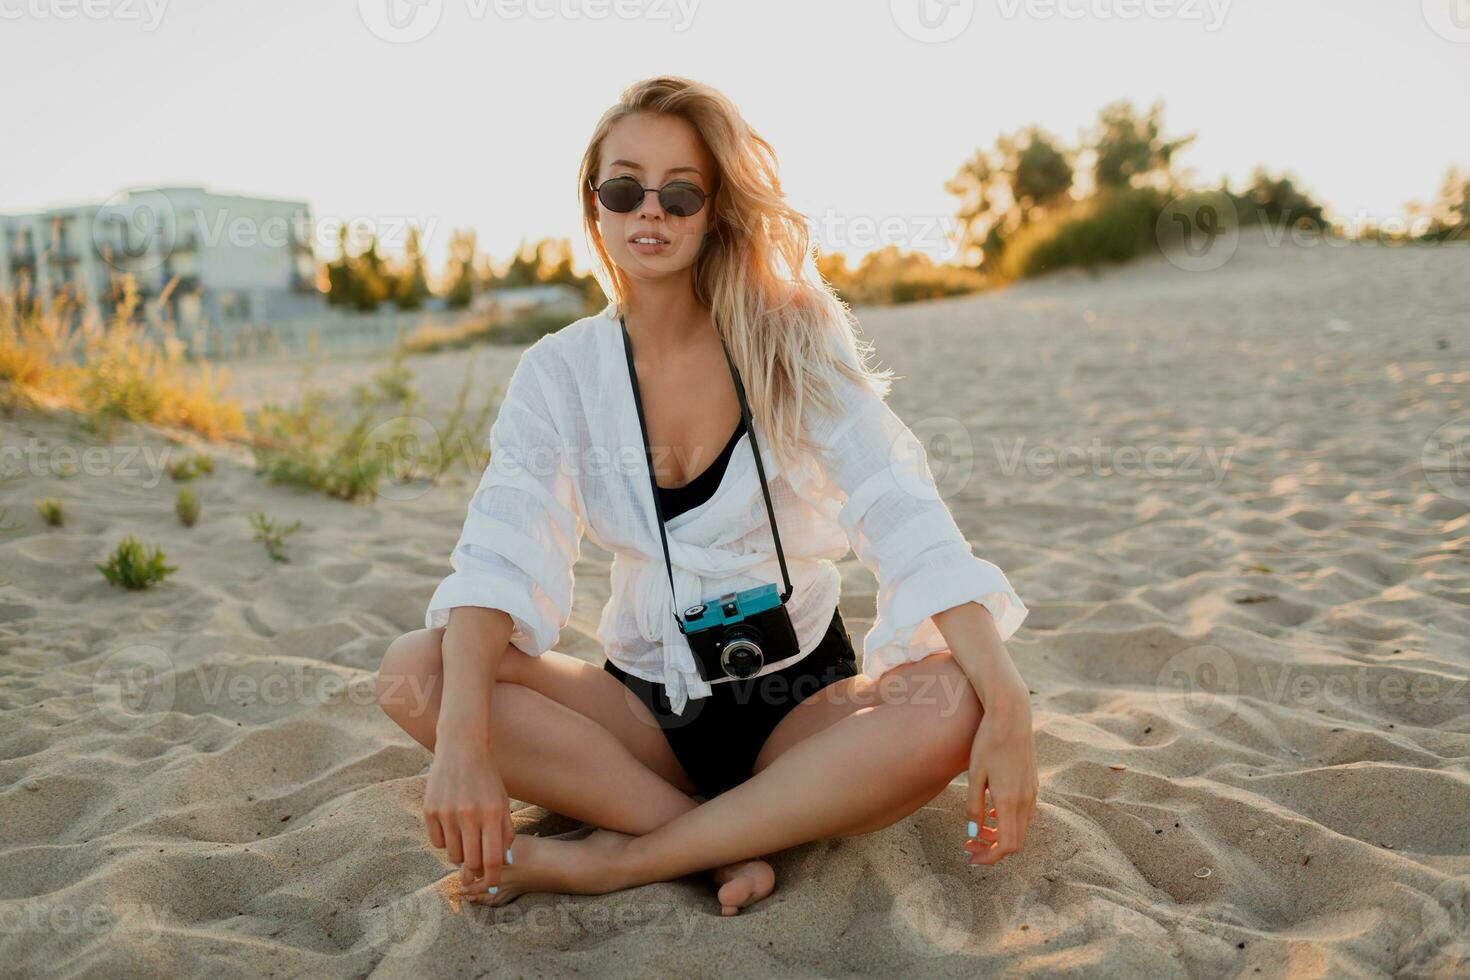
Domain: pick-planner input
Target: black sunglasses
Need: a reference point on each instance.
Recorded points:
(678, 197)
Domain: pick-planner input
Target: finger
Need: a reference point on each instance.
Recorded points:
(981, 850)
(975, 800)
(478, 888)
(974, 848)
(452, 845)
(436, 832)
(1008, 822)
(469, 834)
(494, 855)
(989, 850)
(987, 855)
(507, 830)
(995, 846)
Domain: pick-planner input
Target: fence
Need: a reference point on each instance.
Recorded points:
(330, 332)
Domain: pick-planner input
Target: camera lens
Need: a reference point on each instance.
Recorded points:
(742, 656)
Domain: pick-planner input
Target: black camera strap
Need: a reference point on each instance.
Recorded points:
(755, 448)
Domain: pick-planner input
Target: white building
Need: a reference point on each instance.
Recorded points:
(229, 258)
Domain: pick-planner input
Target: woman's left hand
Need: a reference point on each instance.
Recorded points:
(1002, 765)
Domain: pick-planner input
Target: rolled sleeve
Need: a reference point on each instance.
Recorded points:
(523, 529)
(903, 532)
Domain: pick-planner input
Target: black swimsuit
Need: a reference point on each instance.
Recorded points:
(718, 737)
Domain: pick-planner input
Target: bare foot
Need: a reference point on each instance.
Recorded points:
(589, 867)
(566, 867)
(743, 883)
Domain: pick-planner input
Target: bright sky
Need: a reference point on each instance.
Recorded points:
(870, 105)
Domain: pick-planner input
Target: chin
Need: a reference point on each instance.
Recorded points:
(653, 266)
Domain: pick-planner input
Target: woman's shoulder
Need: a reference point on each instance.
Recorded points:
(567, 349)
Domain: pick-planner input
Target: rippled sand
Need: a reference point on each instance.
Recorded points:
(1246, 549)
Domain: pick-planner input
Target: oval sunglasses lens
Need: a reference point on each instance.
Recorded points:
(681, 200)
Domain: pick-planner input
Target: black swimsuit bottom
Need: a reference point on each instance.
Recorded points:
(718, 737)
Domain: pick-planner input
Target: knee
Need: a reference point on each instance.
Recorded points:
(411, 668)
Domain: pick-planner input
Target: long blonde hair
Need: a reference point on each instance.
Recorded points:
(788, 333)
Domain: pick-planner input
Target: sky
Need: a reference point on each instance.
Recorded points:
(475, 113)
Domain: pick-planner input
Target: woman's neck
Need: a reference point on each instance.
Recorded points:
(666, 317)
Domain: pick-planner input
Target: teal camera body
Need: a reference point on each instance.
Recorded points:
(738, 633)
(732, 607)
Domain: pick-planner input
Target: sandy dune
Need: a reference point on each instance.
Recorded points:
(1249, 647)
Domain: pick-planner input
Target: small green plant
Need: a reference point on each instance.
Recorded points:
(304, 445)
(191, 466)
(134, 567)
(50, 509)
(186, 505)
(273, 537)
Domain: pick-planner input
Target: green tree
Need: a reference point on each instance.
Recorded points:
(461, 277)
(342, 286)
(372, 283)
(524, 268)
(1130, 151)
(1004, 189)
(1278, 201)
(411, 285)
(1450, 214)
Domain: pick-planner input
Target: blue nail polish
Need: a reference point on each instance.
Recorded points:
(508, 858)
(973, 829)
(494, 889)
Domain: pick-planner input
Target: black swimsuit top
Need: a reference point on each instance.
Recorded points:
(677, 500)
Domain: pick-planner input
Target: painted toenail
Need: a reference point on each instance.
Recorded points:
(508, 858)
(494, 889)
(973, 829)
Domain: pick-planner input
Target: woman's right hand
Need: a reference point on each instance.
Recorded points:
(466, 809)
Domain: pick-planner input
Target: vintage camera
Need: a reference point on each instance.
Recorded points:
(739, 633)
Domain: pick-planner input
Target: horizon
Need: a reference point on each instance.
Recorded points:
(372, 77)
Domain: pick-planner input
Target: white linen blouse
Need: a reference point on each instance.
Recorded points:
(567, 458)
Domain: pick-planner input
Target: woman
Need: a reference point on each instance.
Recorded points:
(608, 424)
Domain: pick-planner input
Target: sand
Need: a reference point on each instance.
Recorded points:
(1248, 647)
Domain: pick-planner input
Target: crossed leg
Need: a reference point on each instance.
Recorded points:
(567, 736)
(852, 758)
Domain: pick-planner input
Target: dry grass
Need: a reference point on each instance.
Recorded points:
(125, 368)
(109, 370)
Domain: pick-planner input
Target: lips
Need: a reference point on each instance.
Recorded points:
(648, 235)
